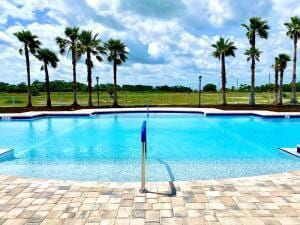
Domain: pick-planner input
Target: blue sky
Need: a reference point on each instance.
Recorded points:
(169, 40)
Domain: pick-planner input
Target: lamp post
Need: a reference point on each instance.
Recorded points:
(237, 88)
(200, 78)
(269, 88)
(97, 79)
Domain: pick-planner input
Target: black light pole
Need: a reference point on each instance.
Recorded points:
(97, 79)
(269, 88)
(200, 78)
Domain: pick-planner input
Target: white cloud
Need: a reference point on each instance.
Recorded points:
(219, 12)
(6, 38)
(215, 12)
(57, 17)
(157, 49)
(103, 4)
(9, 9)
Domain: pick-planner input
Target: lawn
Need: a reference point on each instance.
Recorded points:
(137, 98)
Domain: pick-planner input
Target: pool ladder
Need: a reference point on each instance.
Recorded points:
(144, 151)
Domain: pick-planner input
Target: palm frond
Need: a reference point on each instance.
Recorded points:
(116, 51)
(225, 47)
(99, 58)
(293, 27)
(47, 56)
(283, 59)
(253, 53)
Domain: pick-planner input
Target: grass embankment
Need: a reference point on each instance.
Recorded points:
(15, 102)
(136, 98)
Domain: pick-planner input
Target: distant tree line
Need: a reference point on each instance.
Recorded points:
(67, 86)
(247, 88)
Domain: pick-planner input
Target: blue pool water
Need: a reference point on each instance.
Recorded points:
(180, 146)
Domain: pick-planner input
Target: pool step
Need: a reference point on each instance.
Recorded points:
(6, 154)
(292, 151)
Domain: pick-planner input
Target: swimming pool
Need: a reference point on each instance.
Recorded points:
(181, 146)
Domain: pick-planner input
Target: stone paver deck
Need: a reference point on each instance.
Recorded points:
(262, 200)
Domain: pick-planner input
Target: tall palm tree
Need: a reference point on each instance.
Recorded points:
(70, 43)
(223, 48)
(283, 59)
(294, 33)
(117, 54)
(91, 45)
(31, 44)
(275, 66)
(256, 27)
(47, 57)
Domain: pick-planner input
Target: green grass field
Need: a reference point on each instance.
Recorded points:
(138, 98)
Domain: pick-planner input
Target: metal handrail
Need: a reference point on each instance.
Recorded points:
(144, 150)
(147, 110)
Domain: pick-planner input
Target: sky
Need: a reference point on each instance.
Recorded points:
(169, 41)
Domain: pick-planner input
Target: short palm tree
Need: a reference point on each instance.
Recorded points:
(223, 48)
(70, 43)
(252, 54)
(31, 44)
(294, 33)
(117, 54)
(283, 59)
(275, 66)
(47, 57)
(91, 45)
(256, 27)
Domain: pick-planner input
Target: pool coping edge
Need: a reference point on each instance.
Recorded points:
(91, 112)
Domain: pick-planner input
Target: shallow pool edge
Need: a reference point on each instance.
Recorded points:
(91, 112)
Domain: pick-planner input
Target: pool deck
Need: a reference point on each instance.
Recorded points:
(262, 200)
(206, 111)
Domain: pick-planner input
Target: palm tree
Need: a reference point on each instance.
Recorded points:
(117, 54)
(294, 33)
(31, 44)
(70, 43)
(47, 57)
(223, 48)
(259, 27)
(91, 45)
(275, 66)
(252, 53)
(282, 62)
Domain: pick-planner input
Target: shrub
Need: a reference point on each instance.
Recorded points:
(210, 88)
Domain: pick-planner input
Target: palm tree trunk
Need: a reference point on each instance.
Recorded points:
(47, 85)
(294, 85)
(29, 102)
(115, 86)
(75, 101)
(276, 85)
(223, 69)
(89, 78)
(280, 87)
(252, 88)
